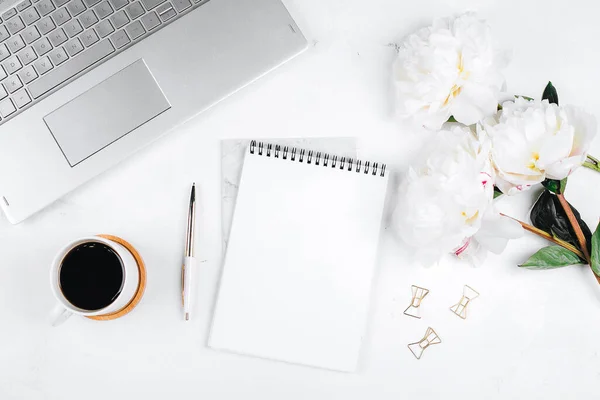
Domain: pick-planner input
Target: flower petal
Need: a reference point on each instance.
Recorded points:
(555, 148)
(473, 103)
(496, 230)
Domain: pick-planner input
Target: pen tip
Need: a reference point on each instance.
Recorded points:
(187, 316)
(193, 194)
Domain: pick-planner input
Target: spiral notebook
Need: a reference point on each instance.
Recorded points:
(301, 255)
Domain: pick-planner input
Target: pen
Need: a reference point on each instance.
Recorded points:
(189, 262)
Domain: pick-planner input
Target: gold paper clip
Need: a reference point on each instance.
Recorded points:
(460, 308)
(418, 294)
(417, 348)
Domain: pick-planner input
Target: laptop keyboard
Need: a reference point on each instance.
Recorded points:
(45, 43)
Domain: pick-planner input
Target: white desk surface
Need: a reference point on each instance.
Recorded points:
(530, 335)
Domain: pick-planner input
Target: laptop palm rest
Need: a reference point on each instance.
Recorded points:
(106, 112)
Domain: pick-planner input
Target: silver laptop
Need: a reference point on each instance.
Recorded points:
(85, 83)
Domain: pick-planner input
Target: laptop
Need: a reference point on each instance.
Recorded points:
(86, 83)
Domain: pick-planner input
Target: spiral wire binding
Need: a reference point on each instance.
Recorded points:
(318, 158)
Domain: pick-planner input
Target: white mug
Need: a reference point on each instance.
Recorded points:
(131, 279)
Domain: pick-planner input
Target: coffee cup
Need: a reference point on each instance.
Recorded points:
(92, 276)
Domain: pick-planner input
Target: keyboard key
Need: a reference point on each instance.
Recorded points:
(71, 68)
(42, 65)
(119, 19)
(76, 7)
(23, 5)
(166, 12)
(60, 3)
(15, 25)
(57, 37)
(28, 74)
(4, 52)
(73, 47)
(150, 4)
(30, 34)
(30, 16)
(73, 28)
(4, 33)
(89, 37)
(167, 15)
(13, 83)
(27, 56)
(3, 74)
(61, 16)
(3, 92)
(7, 108)
(104, 28)
(181, 5)
(119, 39)
(134, 10)
(12, 65)
(88, 19)
(135, 30)
(118, 4)
(45, 7)
(15, 43)
(150, 20)
(46, 25)
(42, 46)
(21, 98)
(9, 14)
(90, 3)
(103, 10)
(58, 56)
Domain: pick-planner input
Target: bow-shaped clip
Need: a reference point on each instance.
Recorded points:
(417, 348)
(418, 294)
(460, 308)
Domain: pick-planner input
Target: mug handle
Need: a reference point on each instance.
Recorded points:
(59, 314)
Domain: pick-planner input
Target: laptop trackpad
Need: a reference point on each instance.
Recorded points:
(106, 112)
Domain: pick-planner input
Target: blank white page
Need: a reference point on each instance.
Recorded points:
(301, 256)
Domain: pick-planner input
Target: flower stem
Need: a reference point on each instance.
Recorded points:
(592, 163)
(555, 240)
(573, 221)
(549, 237)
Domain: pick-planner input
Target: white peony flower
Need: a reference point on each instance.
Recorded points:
(448, 69)
(493, 236)
(445, 199)
(535, 140)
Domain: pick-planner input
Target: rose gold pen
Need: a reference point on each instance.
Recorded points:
(189, 262)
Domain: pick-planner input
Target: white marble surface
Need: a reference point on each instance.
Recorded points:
(530, 335)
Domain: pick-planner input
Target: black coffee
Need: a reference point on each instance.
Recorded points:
(91, 276)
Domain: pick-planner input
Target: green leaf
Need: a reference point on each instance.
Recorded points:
(551, 257)
(595, 255)
(550, 94)
(497, 192)
(592, 163)
(556, 187)
(525, 97)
